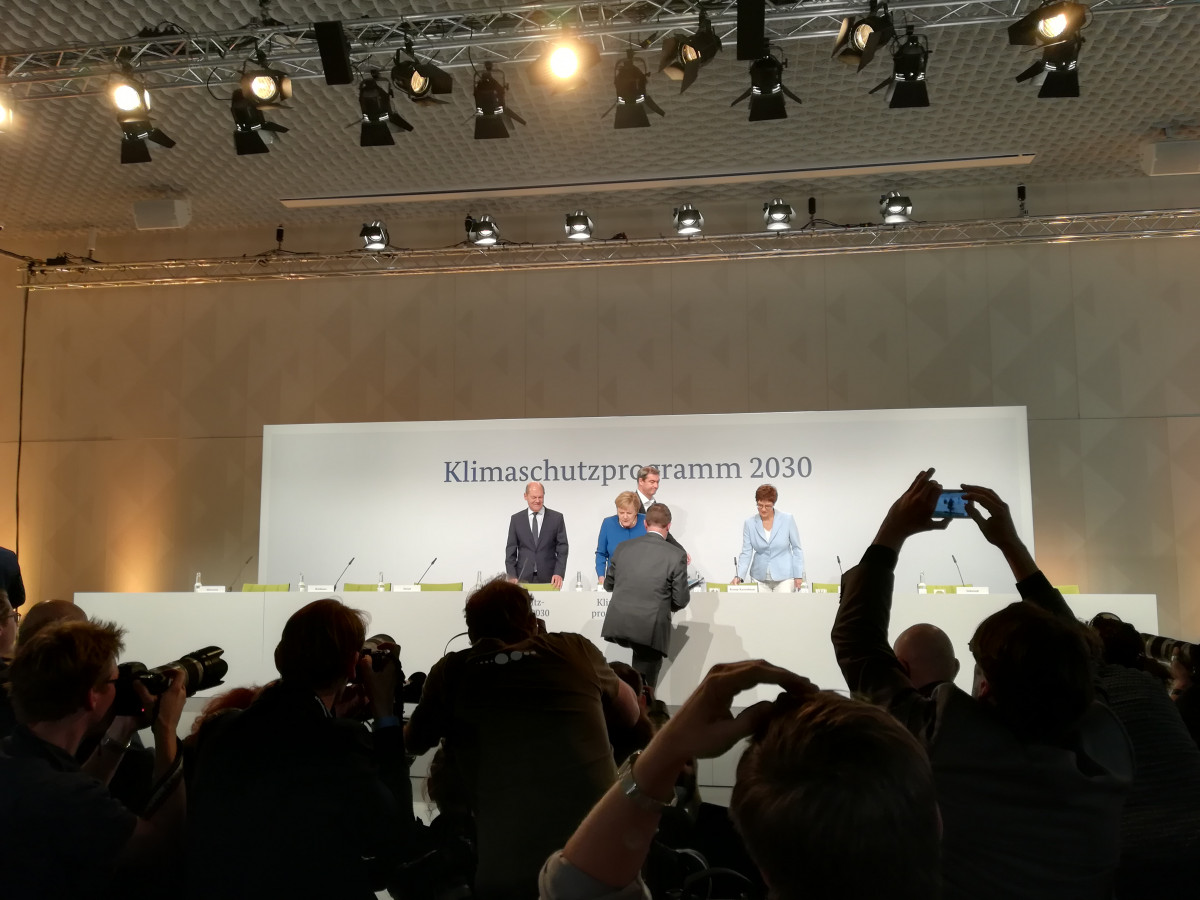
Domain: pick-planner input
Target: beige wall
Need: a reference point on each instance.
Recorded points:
(144, 407)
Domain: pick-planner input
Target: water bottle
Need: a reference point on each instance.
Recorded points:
(478, 579)
(578, 581)
(300, 587)
(379, 586)
(198, 584)
(921, 584)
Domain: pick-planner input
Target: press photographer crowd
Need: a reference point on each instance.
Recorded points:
(1071, 771)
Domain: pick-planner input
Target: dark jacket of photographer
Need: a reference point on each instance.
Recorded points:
(1021, 819)
(288, 801)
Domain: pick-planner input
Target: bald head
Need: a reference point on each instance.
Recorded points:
(926, 654)
(42, 614)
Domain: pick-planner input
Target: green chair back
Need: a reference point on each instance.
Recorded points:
(942, 588)
(1067, 588)
(824, 587)
(538, 587)
(716, 586)
(448, 586)
(365, 586)
(260, 588)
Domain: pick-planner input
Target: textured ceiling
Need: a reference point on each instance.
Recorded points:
(59, 168)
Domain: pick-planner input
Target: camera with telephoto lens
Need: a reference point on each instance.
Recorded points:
(1166, 649)
(409, 690)
(202, 669)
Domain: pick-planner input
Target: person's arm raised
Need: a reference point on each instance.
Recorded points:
(998, 530)
(611, 844)
(860, 629)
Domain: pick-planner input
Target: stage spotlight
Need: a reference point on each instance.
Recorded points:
(579, 226)
(248, 121)
(375, 103)
(132, 102)
(129, 97)
(562, 62)
(482, 232)
(419, 80)
(860, 38)
(766, 91)
(374, 236)
(7, 117)
(906, 88)
(265, 87)
(777, 216)
(1057, 72)
(491, 113)
(1055, 27)
(629, 79)
(895, 208)
(683, 57)
(688, 220)
(1053, 21)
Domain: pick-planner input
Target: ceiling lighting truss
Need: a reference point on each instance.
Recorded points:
(78, 273)
(500, 34)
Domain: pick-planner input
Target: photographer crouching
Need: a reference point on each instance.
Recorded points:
(61, 833)
(292, 797)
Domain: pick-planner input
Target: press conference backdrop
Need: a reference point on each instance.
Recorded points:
(396, 495)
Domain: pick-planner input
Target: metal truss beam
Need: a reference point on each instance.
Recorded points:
(459, 39)
(277, 266)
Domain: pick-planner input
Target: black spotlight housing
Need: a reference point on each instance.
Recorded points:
(419, 80)
(766, 91)
(133, 141)
(859, 39)
(132, 103)
(683, 57)
(1057, 72)
(906, 88)
(248, 121)
(375, 104)
(492, 115)
(629, 79)
(264, 87)
(1053, 21)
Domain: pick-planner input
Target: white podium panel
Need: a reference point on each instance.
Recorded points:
(790, 630)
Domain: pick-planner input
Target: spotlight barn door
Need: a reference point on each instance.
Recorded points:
(751, 29)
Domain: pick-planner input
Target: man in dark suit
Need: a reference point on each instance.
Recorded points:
(647, 488)
(537, 542)
(648, 580)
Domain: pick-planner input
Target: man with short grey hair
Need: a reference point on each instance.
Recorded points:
(537, 542)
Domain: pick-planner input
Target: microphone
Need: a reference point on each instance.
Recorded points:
(339, 578)
(240, 571)
(735, 568)
(841, 574)
(426, 572)
(961, 580)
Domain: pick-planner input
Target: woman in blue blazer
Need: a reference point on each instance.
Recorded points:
(627, 523)
(772, 541)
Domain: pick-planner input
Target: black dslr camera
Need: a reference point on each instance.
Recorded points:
(202, 669)
(409, 689)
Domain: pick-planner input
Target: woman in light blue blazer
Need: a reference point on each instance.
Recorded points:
(771, 551)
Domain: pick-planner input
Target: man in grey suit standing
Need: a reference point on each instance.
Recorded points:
(537, 542)
(648, 580)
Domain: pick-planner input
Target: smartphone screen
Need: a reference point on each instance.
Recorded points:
(950, 504)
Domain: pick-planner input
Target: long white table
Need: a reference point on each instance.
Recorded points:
(790, 630)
